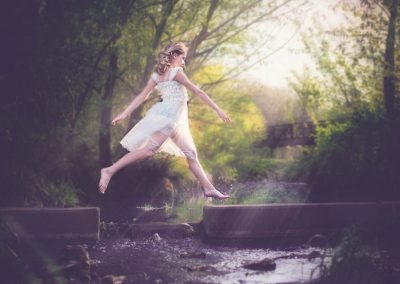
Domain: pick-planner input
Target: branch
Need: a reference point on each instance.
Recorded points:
(227, 75)
(383, 8)
(234, 17)
(83, 95)
(238, 31)
(247, 56)
(151, 4)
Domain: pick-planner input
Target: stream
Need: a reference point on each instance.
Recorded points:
(157, 259)
(154, 259)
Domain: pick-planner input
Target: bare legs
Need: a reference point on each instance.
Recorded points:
(209, 189)
(106, 173)
(155, 142)
(186, 144)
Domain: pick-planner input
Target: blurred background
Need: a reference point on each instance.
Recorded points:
(312, 87)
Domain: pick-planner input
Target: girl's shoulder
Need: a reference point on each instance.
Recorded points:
(155, 77)
(168, 76)
(174, 71)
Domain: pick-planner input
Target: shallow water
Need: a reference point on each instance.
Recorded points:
(144, 260)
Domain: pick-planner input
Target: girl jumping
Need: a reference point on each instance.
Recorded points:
(165, 127)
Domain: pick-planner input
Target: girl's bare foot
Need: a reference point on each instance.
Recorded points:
(215, 194)
(105, 176)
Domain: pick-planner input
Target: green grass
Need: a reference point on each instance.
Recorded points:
(264, 193)
(57, 194)
(191, 209)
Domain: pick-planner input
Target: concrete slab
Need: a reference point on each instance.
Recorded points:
(63, 224)
(295, 220)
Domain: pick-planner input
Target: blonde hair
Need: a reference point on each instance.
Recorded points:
(165, 56)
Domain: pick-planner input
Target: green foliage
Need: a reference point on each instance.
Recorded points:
(261, 193)
(355, 262)
(190, 207)
(356, 156)
(255, 165)
(352, 161)
(54, 194)
(348, 59)
(51, 123)
(190, 210)
(12, 267)
(313, 101)
(228, 150)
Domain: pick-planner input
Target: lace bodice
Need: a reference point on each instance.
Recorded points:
(169, 117)
(170, 90)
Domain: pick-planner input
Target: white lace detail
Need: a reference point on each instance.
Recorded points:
(173, 73)
(169, 117)
(172, 91)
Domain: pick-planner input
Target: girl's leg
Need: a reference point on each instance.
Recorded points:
(197, 170)
(188, 148)
(155, 142)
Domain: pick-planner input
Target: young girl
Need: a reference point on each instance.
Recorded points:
(165, 126)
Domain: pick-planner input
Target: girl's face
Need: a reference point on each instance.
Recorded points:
(179, 59)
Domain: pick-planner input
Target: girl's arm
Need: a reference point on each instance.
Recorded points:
(143, 95)
(183, 79)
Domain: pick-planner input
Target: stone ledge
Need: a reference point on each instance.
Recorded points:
(297, 219)
(59, 224)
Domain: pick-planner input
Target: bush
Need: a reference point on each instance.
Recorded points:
(265, 192)
(53, 193)
(355, 262)
(353, 160)
(13, 268)
(256, 166)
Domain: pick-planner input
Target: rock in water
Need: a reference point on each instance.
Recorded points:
(112, 279)
(193, 254)
(155, 238)
(202, 268)
(266, 264)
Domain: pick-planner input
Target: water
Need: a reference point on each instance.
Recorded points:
(144, 260)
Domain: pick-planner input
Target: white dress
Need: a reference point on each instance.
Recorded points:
(169, 117)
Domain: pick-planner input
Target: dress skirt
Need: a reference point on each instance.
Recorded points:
(167, 117)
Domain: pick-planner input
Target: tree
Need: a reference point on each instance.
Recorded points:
(78, 59)
(389, 88)
(357, 158)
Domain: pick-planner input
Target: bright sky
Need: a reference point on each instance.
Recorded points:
(275, 69)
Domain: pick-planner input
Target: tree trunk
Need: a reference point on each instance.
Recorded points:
(391, 155)
(167, 9)
(105, 111)
(389, 69)
(202, 35)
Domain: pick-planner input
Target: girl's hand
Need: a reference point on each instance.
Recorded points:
(223, 116)
(119, 117)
